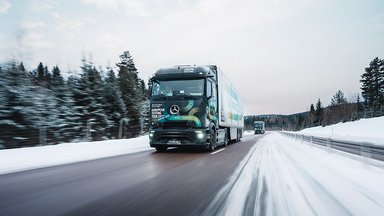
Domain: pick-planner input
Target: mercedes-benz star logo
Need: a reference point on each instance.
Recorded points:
(174, 109)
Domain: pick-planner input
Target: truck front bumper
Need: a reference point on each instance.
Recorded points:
(178, 137)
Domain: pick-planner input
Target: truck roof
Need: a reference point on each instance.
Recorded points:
(186, 71)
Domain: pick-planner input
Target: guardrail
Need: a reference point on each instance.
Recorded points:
(365, 149)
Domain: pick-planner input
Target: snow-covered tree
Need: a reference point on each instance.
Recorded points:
(16, 98)
(77, 107)
(114, 106)
(41, 107)
(93, 101)
(373, 84)
(66, 125)
(132, 93)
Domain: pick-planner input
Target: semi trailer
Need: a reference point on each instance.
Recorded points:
(194, 106)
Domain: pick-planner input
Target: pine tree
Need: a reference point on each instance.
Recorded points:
(312, 114)
(45, 114)
(17, 107)
(76, 95)
(67, 122)
(381, 83)
(93, 101)
(40, 73)
(41, 107)
(319, 113)
(360, 108)
(150, 87)
(4, 112)
(338, 99)
(145, 115)
(338, 111)
(144, 106)
(57, 79)
(45, 102)
(132, 96)
(48, 77)
(115, 107)
(312, 109)
(373, 84)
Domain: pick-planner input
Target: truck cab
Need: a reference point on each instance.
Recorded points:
(184, 108)
(259, 127)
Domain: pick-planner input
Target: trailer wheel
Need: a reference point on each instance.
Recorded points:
(226, 139)
(238, 136)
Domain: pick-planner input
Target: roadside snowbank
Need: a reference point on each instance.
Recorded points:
(280, 176)
(363, 130)
(14, 160)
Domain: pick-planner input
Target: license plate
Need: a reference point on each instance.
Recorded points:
(174, 142)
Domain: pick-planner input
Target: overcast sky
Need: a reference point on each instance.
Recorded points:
(282, 55)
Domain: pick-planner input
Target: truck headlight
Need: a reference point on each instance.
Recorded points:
(151, 133)
(199, 134)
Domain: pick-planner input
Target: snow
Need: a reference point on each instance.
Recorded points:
(364, 130)
(14, 160)
(248, 132)
(280, 176)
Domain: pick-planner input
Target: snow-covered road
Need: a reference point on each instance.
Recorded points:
(280, 176)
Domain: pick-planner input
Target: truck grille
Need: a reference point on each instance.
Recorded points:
(175, 125)
(174, 134)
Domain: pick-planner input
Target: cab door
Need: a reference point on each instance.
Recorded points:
(212, 101)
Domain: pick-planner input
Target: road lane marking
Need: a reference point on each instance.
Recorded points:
(220, 150)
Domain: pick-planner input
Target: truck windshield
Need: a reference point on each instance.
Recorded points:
(258, 125)
(178, 87)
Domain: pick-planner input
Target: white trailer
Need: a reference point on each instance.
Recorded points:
(231, 113)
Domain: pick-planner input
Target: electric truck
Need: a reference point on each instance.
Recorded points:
(194, 106)
(259, 127)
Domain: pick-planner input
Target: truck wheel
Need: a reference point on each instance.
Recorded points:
(212, 140)
(225, 139)
(238, 136)
(161, 148)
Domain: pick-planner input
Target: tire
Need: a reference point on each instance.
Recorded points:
(225, 139)
(212, 140)
(161, 148)
(238, 136)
